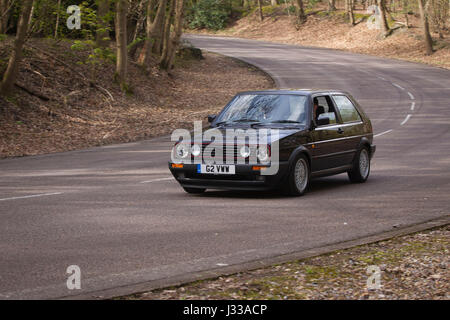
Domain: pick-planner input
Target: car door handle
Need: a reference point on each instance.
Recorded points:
(340, 130)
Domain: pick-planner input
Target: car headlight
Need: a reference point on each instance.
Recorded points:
(196, 150)
(263, 154)
(181, 150)
(244, 151)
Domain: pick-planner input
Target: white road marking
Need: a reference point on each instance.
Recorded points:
(156, 180)
(412, 106)
(32, 196)
(221, 264)
(411, 96)
(384, 132)
(406, 119)
(400, 87)
(381, 78)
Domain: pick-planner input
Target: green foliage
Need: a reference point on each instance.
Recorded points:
(312, 3)
(3, 37)
(95, 55)
(269, 10)
(210, 14)
(291, 9)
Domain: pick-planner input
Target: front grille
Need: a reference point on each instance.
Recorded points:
(222, 153)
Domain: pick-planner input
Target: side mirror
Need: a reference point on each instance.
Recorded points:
(323, 121)
(211, 118)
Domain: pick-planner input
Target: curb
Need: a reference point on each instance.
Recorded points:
(260, 263)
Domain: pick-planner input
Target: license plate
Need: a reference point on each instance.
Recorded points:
(216, 169)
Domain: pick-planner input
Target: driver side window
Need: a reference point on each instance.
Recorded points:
(323, 108)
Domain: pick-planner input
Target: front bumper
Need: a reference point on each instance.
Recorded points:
(245, 178)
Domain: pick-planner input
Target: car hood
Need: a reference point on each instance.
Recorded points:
(273, 133)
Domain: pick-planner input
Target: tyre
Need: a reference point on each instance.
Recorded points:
(298, 177)
(361, 166)
(194, 190)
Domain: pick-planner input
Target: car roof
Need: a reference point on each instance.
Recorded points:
(304, 92)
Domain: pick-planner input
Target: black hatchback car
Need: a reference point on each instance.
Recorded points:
(318, 133)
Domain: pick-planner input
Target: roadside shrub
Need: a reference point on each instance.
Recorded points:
(210, 14)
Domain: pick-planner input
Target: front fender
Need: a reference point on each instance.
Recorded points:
(297, 151)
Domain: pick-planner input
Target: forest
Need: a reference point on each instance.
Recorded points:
(85, 73)
(131, 31)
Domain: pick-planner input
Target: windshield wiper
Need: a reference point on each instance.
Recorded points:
(283, 121)
(245, 120)
(221, 122)
(238, 120)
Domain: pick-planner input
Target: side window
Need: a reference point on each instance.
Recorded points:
(324, 109)
(346, 109)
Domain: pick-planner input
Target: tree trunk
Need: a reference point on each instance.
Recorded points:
(57, 18)
(425, 28)
(4, 15)
(405, 12)
(13, 66)
(166, 36)
(121, 42)
(301, 17)
(273, 2)
(157, 27)
(331, 5)
(102, 33)
(260, 12)
(175, 39)
(137, 31)
(349, 11)
(385, 31)
(153, 33)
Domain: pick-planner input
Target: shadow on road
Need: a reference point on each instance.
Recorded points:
(318, 187)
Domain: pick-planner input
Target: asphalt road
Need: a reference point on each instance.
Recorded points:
(115, 212)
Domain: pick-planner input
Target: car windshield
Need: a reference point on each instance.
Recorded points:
(265, 108)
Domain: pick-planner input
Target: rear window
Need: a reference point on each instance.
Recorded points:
(346, 109)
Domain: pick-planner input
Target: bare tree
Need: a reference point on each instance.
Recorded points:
(438, 11)
(385, 31)
(426, 29)
(405, 12)
(331, 5)
(166, 36)
(301, 16)
(260, 12)
(16, 56)
(5, 10)
(153, 31)
(349, 11)
(121, 41)
(167, 60)
(102, 33)
(58, 10)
